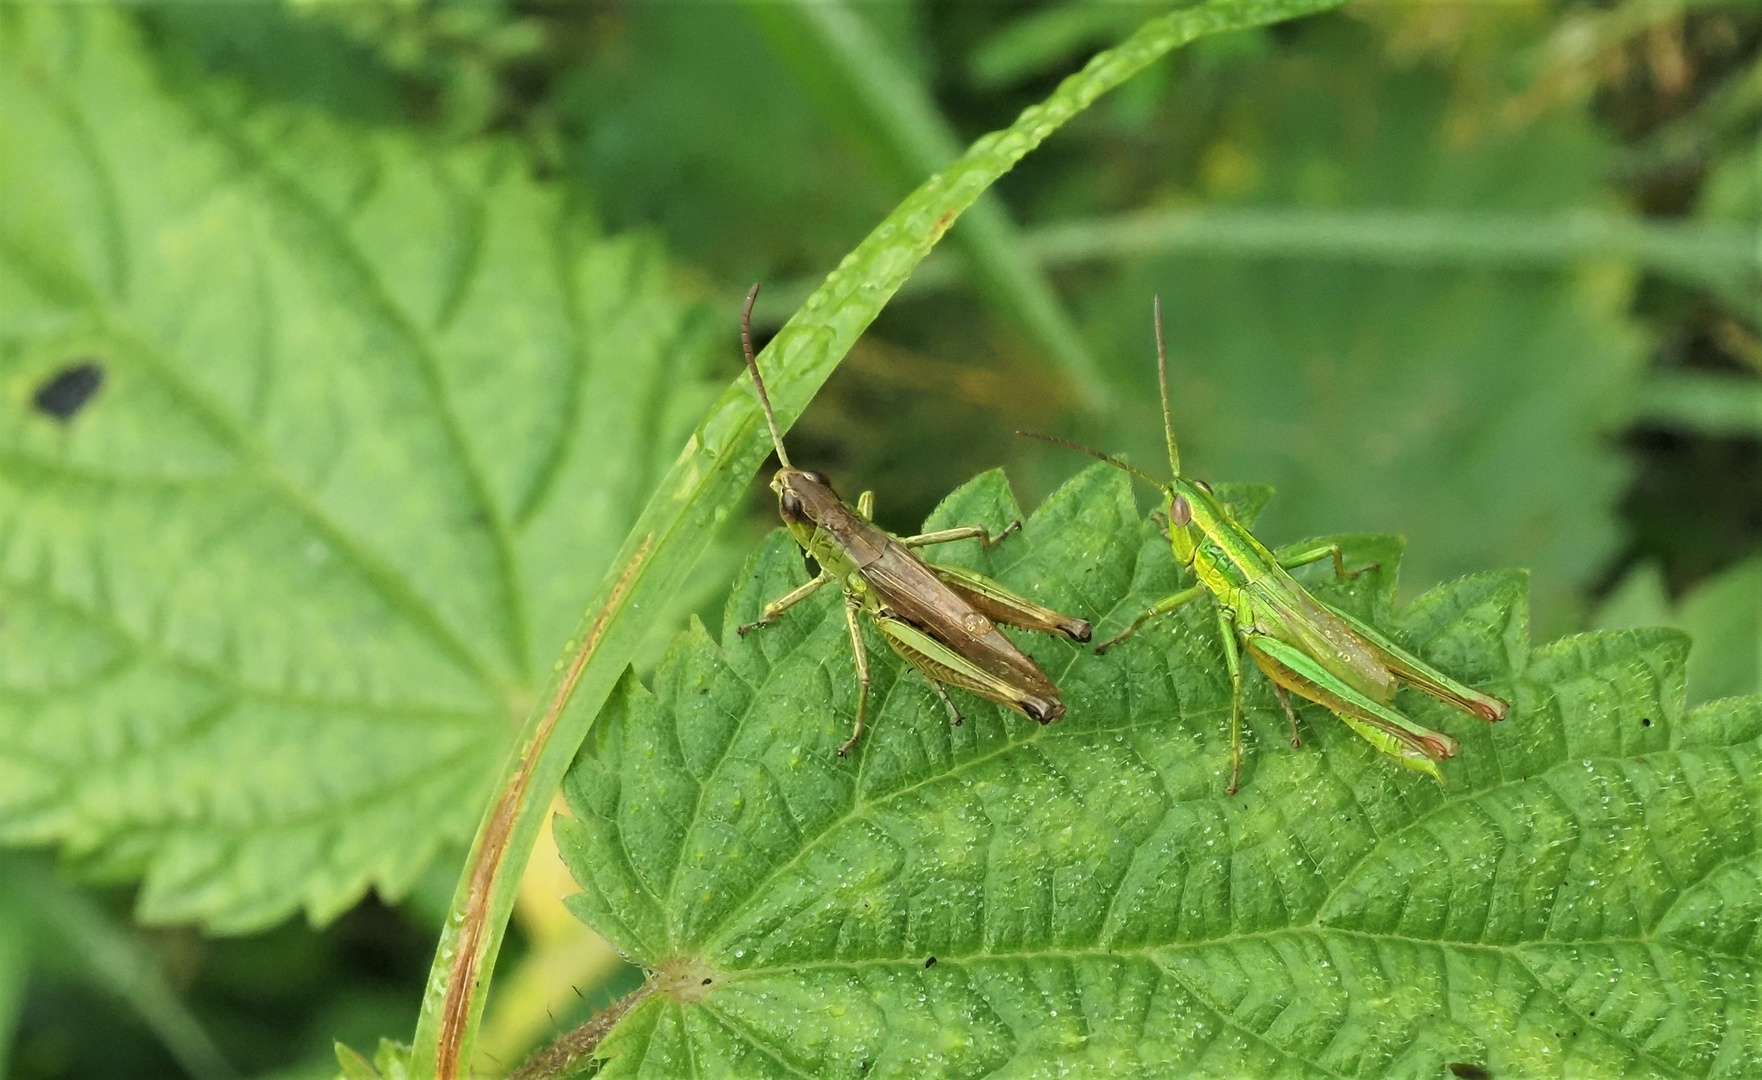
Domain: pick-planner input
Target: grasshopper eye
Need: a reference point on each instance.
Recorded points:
(1180, 513)
(790, 505)
(1203, 486)
(818, 478)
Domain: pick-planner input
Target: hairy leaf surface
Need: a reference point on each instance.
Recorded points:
(1002, 899)
(304, 474)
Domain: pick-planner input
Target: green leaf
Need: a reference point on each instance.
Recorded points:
(390, 1062)
(1722, 615)
(1724, 618)
(353, 1065)
(273, 598)
(1575, 902)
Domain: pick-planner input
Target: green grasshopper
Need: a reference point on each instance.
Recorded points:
(940, 619)
(1303, 645)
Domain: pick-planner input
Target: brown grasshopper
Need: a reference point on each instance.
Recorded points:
(941, 620)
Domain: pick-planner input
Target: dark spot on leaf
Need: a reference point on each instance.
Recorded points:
(1645, 721)
(708, 981)
(1464, 1071)
(930, 963)
(703, 689)
(68, 390)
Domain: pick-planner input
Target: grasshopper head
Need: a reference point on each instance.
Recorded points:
(1193, 512)
(804, 498)
(1185, 495)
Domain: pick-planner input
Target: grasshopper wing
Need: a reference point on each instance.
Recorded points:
(1006, 607)
(1317, 631)
(1422, 676)
(910, 589)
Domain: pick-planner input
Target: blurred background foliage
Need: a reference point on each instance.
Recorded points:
(1482, 274)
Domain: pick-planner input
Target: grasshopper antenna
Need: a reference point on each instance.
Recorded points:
(1096, 454)
(752, 365)
(1162, 378)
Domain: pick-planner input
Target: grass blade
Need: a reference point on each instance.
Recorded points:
(113, 960)
(710, 477)
(1722, 257)
(1704, 402)
(833, 47)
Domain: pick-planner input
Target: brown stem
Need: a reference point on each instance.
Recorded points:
(564, 1055)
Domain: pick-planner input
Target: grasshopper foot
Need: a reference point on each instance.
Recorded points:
(988, 542)
(1101, 649)
(855, 737)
